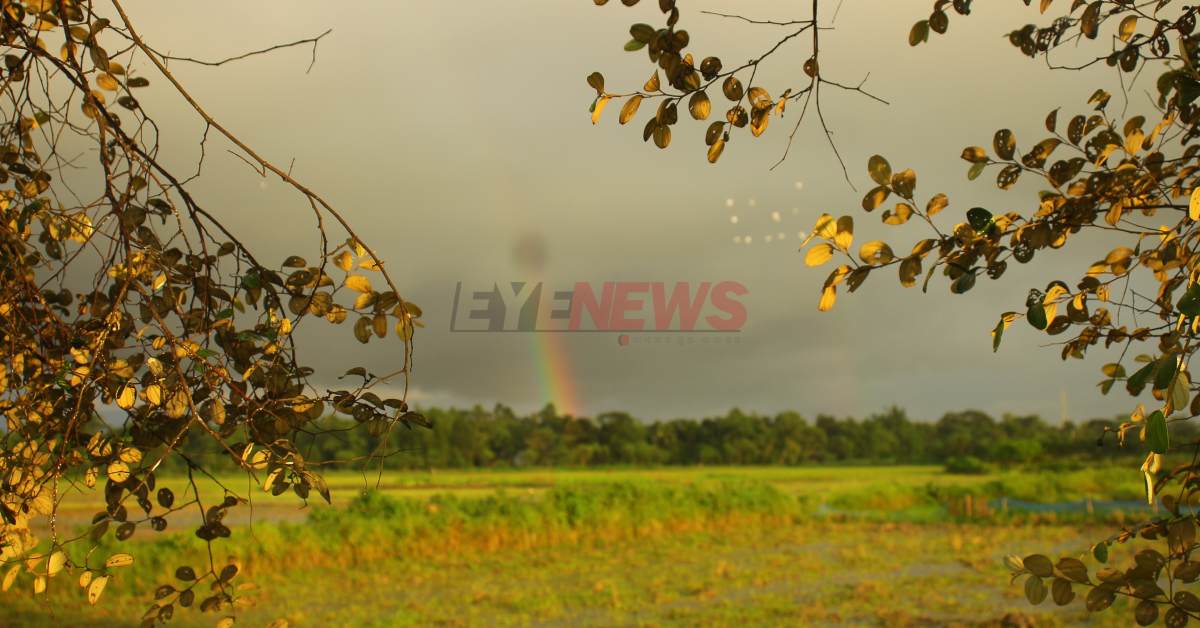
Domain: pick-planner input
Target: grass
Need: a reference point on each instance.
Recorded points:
(619, 546)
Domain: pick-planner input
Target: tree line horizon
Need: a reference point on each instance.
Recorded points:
(502, 438)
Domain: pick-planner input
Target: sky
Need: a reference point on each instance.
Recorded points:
(452, 134)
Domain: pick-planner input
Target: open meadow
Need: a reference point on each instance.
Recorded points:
(667, 546)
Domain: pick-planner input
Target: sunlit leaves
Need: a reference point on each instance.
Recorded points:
(876, 252)
(880, 170)
(998, 332)
(875, 198)
(699, 106)
(732, 88)
(819, 254)
(598, 108)
(715, 150)
(96, 588)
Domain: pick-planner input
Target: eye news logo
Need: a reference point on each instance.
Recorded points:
(630, 308)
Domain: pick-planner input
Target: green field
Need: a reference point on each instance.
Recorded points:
(717, 546)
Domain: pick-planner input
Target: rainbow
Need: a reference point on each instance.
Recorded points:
(556, 383)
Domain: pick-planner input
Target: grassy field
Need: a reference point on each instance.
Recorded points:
(715, 546)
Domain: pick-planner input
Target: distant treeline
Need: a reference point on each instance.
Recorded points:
(501, 438)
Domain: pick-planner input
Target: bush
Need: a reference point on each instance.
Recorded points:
(967, 465)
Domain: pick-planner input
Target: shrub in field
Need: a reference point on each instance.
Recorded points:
(1101, 168)
(968, 465)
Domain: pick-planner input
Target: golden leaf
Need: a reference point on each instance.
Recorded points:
(828, 297)
(10, 577)
(118, 471)
(358, 283)
(845, 233)
(1127, 28)
(126, 398)
(96, 588)
(598, 108)
(630, 108)
(819, 254)
(876, 252)
(108, 82)
(57, 561)
(714, 151)
(825, 227)
(154, 394)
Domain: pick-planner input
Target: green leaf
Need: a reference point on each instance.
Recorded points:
(1037, 316)
(1157, 438)
(1165, 372)
(1100, 552)
(1189, 304)
(1137, 381)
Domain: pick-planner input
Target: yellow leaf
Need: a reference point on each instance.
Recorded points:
(119, 560)
(828, 297)
(126, 397)
(825, 227)
(876, 252)
(819, 254)
(714, 151)
(1133, 141)
(358, 283)
(1194, 205)
(598, 108)
(630, 108)
(96, 588)
(159, 281)
(154, 394)
(107, 81)
(1127, 28)
(130, 455)
(56, 563)
(39, 585)
(909, 269)
(344, 261)
(85, 579)
(10, 577)
(845, 233)
(118, 471)
(936, 204)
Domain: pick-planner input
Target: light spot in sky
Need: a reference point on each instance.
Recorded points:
(801, 235)
(768, 238)
(737, 239)
(754, 202)
(748, 240)
(733, 220)
(776, 217)
(799, 185)
(262, 185)
(781, 235)
(729, 202)
(795, 210)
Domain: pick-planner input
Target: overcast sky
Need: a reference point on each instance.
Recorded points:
(449, 131)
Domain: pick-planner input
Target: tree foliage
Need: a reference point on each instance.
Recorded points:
(132, 319)
(501, 438)
(1131, 176)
